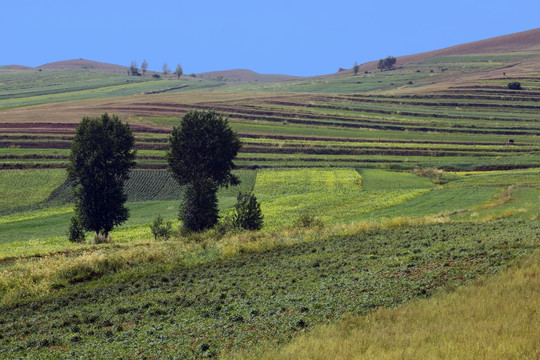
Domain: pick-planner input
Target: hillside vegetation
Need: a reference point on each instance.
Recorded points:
(391, 200)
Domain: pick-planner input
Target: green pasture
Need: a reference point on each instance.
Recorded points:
(526, 177)
(437, 201)
(362, 82)
(333, 195)
(380, 180)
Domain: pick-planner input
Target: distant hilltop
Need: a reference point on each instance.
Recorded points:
(243, 75)
(80, 64)
(236, 75)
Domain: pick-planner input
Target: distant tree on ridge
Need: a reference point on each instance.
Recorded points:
(133, 70)
(356, 68)
(179, 71)
(166, 70)
(386, 64)
(144, 66)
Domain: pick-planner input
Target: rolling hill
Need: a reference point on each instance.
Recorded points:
(81, 64)
(243, 75)
(522, 43)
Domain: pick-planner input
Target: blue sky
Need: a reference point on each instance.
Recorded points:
(287, 37)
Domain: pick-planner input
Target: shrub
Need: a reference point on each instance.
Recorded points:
(514, 85)
(307, 220)
(101, 238)
(76, 230)
(161, 229)
(226, 224)
(156, 76)
(431, 173)
(248, 213)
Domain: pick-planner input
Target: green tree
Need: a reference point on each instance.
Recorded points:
(76, 230)
(99, 163)
(390, 62)
(380, 65)
(200, 155)
(248, 214)
(179, 71)
(356, 68)
(386, 64)
(161, 229)
(144, 66)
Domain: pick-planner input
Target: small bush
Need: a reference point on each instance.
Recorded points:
(514, 85)
(226, 225)
(248, 213)
(307, 221)
(76, 230)
(432, 173)
(100, 238)
(161, 229)
(156, 76)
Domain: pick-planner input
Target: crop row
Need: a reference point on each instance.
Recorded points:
(352, 121)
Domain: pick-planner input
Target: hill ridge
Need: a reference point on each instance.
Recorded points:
(524, 41)
(80, 63)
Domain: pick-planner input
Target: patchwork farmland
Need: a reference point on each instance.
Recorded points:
(379, 190)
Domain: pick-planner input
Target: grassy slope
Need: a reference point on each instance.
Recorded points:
(193, 305)
(494, 318)
(347, 197)
(405, 262)
(26, 88)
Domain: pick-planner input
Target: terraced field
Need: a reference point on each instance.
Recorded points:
(374, 119)
(308, 130)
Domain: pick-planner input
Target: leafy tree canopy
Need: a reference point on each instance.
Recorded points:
(144, 66)
(248, 214)
(202, 148)
(179, 71)
(99, 163)
(386, 64)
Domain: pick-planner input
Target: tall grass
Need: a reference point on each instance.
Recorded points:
(496, 318)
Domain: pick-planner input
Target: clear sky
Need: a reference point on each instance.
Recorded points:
(277, 36)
